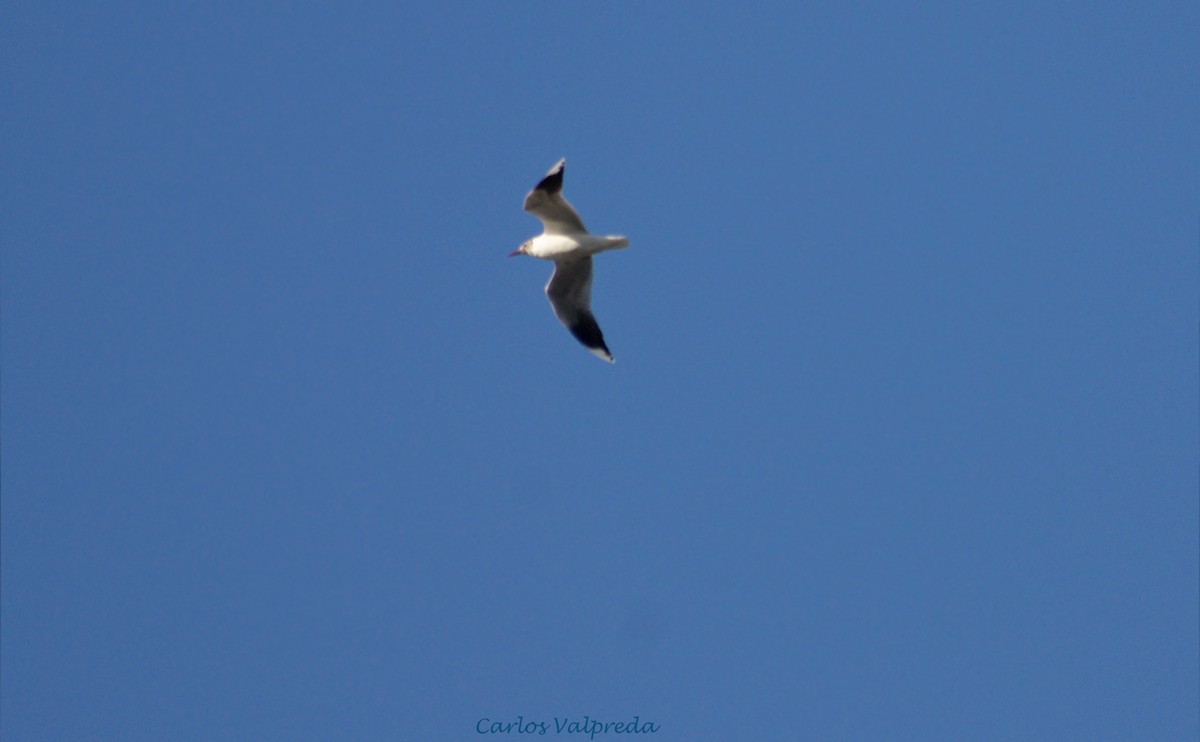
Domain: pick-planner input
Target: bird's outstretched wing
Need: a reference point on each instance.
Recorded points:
(546, 202)
(570, 292)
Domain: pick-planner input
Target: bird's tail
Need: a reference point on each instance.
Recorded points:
(616, 241)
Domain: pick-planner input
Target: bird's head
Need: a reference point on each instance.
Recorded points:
(522, 250)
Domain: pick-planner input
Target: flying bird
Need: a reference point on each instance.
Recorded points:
(566, 241)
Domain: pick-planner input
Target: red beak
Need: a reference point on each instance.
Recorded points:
(515, 253)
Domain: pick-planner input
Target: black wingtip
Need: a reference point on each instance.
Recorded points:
(553, 182)
(588, 332)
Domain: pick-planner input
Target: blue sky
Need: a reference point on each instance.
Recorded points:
(902, 441)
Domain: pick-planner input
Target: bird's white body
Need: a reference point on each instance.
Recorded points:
(569, 246)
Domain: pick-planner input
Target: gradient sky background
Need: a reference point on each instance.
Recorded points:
(902, 441)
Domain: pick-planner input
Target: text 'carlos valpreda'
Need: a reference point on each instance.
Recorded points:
(565, 725)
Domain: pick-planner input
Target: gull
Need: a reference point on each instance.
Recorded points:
(566, 241)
